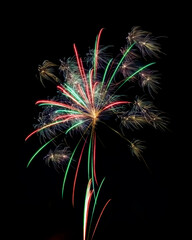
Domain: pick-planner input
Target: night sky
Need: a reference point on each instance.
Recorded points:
(140, 205)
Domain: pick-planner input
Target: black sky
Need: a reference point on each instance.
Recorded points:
(140, 203)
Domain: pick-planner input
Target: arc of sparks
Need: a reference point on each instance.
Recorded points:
(96, 51)
(95, 203)
(88, 197)
(75, 95)
(132, 75)
(91, 85)
(114, 104)
(68, 166)
(71, 97)
(54, 123)
(55, 103)
(91, 165)
(76, 173)
(105, 73)
(100, 218)
(82, 72)
(75, 125)
(94, 158)
(41, 148)
(118, 65)
(70, 161)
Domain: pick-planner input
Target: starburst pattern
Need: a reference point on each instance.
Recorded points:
(92, 90)
(145, 41)
(58, 157)
(46, 71)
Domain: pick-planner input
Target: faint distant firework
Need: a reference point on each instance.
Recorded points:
(92, 90)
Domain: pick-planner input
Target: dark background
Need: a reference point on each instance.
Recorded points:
(141, 200)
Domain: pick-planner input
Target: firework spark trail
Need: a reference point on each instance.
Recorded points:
(88, 95)
(39, 151)
(54, 123)
(96, 52)
(87, 204)
(100, 218)
(118, 65)
(95, 203)
(88, 196)
(76, 173)
(82, 72)
(68, 166)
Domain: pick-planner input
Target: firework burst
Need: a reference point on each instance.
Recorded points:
(90, 91)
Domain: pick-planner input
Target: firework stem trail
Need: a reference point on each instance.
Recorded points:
(94, 158)
(89, 157)
(88, 196)
(71, 158)
(95, 203)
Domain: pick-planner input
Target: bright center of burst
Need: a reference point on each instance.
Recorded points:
(94, 115)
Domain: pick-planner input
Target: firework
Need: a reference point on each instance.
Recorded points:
(90, 90)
